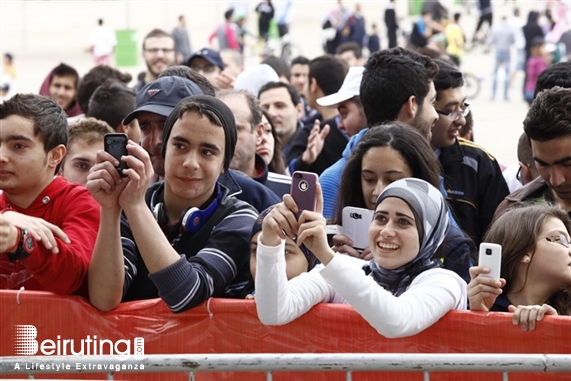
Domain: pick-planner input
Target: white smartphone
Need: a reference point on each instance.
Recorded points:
(491, 257)
(356, 223)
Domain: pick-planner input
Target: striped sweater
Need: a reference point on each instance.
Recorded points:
(214, 261)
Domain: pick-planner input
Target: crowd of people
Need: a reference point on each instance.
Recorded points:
(204, 207)
(519, 46)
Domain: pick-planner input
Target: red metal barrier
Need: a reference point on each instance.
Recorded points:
(231, 326)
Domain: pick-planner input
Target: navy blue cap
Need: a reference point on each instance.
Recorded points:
(209, 55)
(162, 95)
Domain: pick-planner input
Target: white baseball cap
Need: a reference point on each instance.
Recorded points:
(348, 90)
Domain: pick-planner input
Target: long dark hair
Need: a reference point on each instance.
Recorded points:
(401, 137)
(517, 230)
(277, 163)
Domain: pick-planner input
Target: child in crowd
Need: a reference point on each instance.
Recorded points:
(536, 266)
(384, 155)
(400, 292)
(373, 40)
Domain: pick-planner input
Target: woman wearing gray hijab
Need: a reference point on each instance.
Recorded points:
(400, 292)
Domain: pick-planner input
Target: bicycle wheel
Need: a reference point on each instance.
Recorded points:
(471, 85)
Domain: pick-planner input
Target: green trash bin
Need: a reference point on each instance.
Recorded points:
(415, 7)
(273, 31)
(126, 51)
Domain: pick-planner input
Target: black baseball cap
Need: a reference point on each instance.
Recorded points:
(209, 55)
(162, 95)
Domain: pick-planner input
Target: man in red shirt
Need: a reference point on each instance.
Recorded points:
(47, 225)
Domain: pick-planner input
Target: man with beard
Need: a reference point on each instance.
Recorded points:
(154, 103)
(397, 85)
(158, 53)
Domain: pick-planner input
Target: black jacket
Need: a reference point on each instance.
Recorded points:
(475, 186)
(333, 147)
(249, 190)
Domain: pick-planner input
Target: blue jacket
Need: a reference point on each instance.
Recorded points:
(330, 179)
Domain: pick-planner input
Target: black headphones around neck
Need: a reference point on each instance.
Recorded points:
(193, 218)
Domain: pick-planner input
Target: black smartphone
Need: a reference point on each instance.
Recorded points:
(116, 145)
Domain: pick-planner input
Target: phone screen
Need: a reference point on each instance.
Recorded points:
(116, 145)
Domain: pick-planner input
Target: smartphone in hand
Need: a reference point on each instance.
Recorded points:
(303, 186)
(491, 257)
(116, 145)
(356, 223)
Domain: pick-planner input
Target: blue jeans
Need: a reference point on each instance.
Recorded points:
(502, 60)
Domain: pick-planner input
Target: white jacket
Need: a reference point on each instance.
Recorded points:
(429, 297)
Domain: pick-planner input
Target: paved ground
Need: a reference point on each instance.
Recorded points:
(45, 33)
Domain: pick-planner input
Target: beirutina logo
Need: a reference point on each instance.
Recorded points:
(25, 344)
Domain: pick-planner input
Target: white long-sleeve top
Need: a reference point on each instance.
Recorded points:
(429, 297)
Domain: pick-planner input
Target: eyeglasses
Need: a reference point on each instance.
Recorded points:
(518, 174)
(560, 239)
(156, 50)
(457, 114)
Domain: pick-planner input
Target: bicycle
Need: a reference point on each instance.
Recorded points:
(472, 84)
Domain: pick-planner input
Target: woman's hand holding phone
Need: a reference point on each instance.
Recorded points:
(344, 245)
(280, 223)
(312, 230)
(483, 290)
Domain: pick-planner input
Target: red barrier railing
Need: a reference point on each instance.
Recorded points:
(231, 326)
